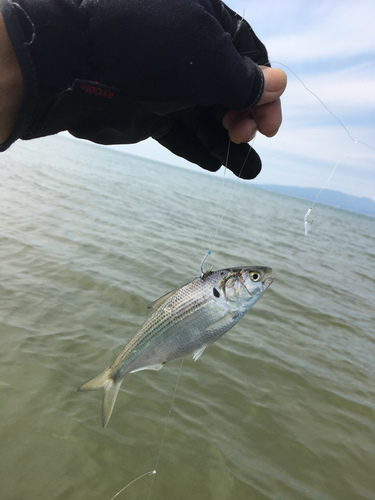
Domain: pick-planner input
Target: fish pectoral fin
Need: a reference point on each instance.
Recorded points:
(158, 302)
(197, 354)
(224, 323)
(150, 367)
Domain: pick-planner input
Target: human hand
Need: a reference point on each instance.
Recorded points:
(190, 64)
(201, 138)
(265, 116)
(242, 126)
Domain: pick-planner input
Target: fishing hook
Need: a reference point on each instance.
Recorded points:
(203, 272)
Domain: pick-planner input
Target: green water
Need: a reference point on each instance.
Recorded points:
(281, 407)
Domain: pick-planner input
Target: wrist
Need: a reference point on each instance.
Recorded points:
(11, 85)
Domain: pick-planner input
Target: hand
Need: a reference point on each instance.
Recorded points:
(190, 64)
(265, 116)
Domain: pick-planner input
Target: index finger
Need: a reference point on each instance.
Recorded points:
(268, 117)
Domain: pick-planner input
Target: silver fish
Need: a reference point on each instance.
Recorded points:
(184, 321)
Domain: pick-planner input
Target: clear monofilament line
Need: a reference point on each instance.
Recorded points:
(355, 141)
(218, 225)
(324, 106)
(333, 171)
(218, 219)
(149, 473)
(153, 472)
(221, 215)
(166, 425)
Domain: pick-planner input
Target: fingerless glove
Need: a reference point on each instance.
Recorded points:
(118, 72)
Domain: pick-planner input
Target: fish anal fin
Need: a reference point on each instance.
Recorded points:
(197, 354)
(150, 367)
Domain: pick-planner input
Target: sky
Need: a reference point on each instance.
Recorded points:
(330, 46)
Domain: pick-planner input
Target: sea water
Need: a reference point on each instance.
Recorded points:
(281, 407)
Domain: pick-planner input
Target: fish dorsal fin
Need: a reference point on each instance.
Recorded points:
(158, 302)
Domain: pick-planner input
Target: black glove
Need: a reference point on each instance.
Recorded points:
(117, 72)
(198, 135)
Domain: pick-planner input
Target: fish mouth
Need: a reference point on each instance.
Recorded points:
(268, 282)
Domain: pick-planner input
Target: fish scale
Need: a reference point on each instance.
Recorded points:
(182, 322)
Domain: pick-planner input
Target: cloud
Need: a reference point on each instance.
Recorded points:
(344, 31)
(304, 31)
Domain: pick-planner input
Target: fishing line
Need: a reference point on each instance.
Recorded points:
(326, 107)
(219, 220)
(167, 423)
(355, 141)
(218, 225)
(307, 223)
(153, 472)
(220, 216)
(150, 473)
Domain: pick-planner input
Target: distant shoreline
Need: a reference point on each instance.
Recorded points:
(361, 205)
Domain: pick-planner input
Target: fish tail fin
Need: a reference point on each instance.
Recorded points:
(111, 387)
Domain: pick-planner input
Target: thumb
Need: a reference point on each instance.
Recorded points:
(275, 80)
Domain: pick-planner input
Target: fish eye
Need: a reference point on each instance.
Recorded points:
(216, 292)
(254, 276)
